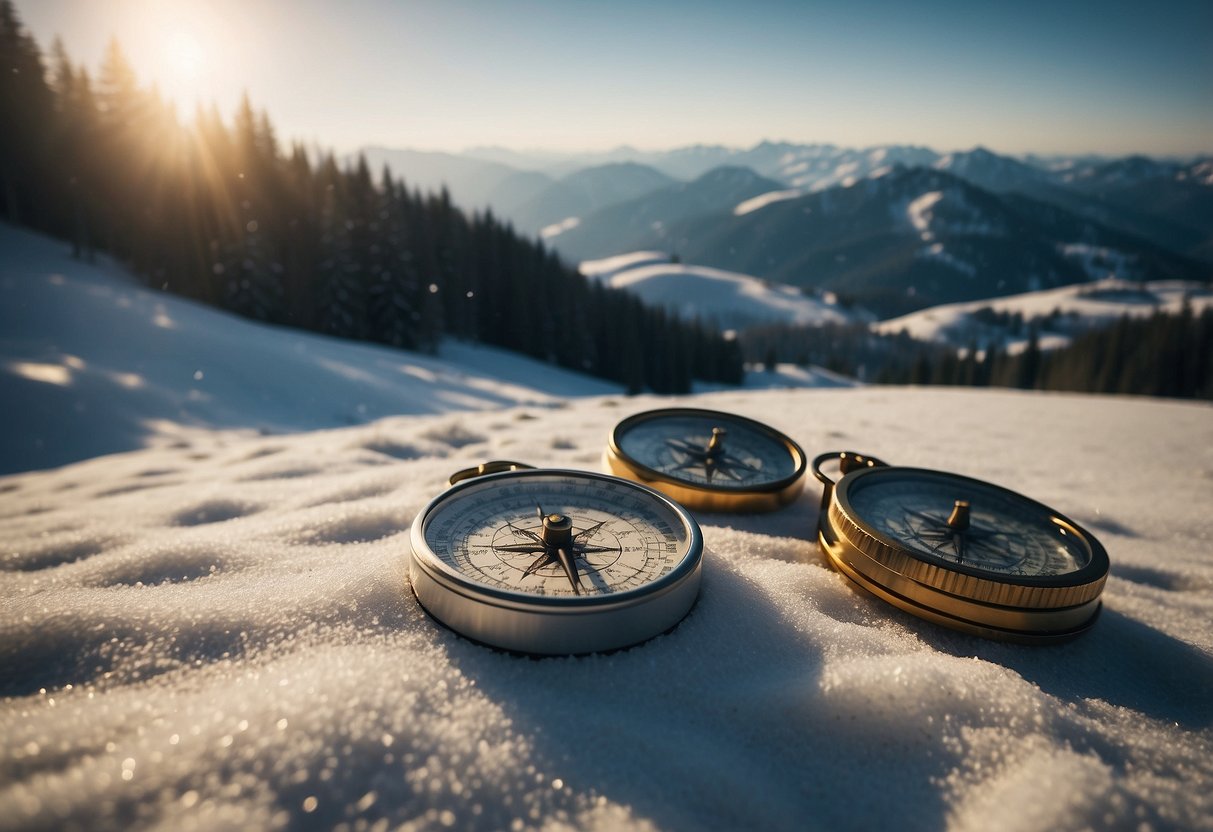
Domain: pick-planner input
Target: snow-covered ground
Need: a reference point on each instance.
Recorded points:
(1080, 307)
(731, 300)
(222, 635)
(92, 362)
(218, 631)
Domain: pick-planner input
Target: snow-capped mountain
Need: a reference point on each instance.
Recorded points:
(585, 191)
(1177, 198)
(914, 238)
(992, 171)
(727, 299)
(614, 229)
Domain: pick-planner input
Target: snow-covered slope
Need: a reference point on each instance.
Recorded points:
(217, 631)
(222, 635)
(91, 362)
(729, 299)
(1078, 308)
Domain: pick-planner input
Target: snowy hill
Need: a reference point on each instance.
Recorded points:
(728, 299)
(1062, 313)
(92, 362)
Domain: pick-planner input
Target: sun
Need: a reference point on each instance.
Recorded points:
(184, 57)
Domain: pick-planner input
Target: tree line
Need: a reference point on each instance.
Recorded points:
(226, 215)
(1157, 355)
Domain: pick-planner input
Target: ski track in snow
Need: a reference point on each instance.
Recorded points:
(222, 634)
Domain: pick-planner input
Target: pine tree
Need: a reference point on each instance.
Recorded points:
(26, 110)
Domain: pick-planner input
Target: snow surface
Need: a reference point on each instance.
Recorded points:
(731, 300)
(608, 267)
(1087, 304)
(218, 632)
(178, 366)
(918, 212)
(558, 228)
(1100, 262)
(222, 634)
(763, 200)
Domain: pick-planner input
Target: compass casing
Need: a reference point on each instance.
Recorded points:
(1017, 607)
(747, 498)
(553, 624)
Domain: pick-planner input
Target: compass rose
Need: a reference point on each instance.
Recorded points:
(556, 542)
(713, 459)
(955, 536)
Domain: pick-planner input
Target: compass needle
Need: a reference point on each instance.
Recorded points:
(569, 564)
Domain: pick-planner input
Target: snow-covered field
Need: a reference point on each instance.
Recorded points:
(218, 632)
(222, 634)
(1080, 307)
(731, 300)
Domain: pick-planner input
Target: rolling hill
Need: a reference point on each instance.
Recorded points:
(727, 299)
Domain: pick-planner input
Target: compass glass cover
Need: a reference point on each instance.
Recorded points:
(677, 446)
(622, 537)
(1004, 534)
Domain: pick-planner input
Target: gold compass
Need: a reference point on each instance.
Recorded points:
(708, 460)
(959, 551)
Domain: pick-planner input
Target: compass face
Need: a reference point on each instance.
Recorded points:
(745, 455)
(1002, 532)
(558, 535)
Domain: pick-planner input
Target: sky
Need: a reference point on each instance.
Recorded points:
(1073, 77)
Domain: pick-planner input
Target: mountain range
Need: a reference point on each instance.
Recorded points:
(895, 228)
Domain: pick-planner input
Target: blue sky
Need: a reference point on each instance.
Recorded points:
(1017, 77)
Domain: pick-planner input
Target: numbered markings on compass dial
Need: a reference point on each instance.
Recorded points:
(1006, 534)
(623, 538)
(677, 446)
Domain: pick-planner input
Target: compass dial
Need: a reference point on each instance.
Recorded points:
(708, 459)
(619, 539)
(1003, 533)
(555, 562)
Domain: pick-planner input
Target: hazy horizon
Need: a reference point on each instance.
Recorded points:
(1098, 78)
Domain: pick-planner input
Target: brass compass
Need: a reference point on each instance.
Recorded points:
(959, 551)
(708, 460)
(554, 562)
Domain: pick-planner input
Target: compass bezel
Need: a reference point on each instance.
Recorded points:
(536, 624)
(892, 552)
(709, 497)
(1029, 609)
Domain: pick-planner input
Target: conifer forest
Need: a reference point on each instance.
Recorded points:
(224, 214)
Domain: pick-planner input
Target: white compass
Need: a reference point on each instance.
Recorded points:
(554, 562)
